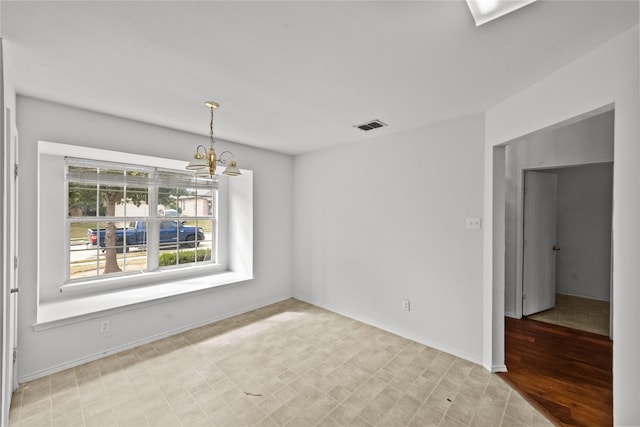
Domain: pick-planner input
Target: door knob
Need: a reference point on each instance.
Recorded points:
(556, 248)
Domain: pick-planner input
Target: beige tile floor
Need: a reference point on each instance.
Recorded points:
(288, 364)
(578, 313)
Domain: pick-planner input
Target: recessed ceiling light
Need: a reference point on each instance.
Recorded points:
(484, 11)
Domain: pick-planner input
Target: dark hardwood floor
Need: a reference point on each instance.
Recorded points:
(564, 371)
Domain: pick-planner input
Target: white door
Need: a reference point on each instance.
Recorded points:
(539, 252)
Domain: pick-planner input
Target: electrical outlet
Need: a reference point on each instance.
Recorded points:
(105, 326)
(406, 306)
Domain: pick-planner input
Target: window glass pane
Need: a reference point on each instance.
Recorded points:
(82, 200)
(136, 197)
(110, 196)
(136, 204)
(196, 203)
(168, 201)
(108, 248)
(183, 257)
(169, 234)
(184, 195)
(185, 242)
(185, 202)
(123, 201)
(206, 238)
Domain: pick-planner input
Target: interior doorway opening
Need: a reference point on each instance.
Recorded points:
(579, 150)
(576, 147)
(578, 292)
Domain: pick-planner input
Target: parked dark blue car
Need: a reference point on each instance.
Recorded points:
(172, 233)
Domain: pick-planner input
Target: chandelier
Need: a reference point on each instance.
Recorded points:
(205, 160)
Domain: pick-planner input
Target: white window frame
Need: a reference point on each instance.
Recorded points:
(153, 183)
(74, 303)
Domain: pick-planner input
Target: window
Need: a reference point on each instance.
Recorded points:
(154, 197)
(126, 219)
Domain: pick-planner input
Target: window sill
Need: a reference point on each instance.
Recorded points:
(60, 313)
(117, 282)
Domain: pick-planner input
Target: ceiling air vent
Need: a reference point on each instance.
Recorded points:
(373, 124)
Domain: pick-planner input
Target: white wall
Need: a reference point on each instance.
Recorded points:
(51, 349)
(584, 230)
(607, 75)
(587, 141)
(384, 220)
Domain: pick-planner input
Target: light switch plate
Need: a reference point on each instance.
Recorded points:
(474, 224)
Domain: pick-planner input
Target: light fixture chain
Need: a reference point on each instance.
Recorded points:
(211, 127)
(204, 163)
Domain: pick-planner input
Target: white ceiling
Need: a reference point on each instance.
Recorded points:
(294, 76)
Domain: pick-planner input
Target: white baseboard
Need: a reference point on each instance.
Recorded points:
(495, 368)
(404, 334)
(77, 362)
(583, 296)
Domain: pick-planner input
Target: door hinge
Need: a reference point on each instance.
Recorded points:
(15, 262)
(15, 170)
(15, 354)
(524, 296)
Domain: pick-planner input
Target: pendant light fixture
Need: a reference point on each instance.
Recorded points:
(205, 160)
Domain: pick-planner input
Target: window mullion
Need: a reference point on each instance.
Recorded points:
(214, 230)
(153, 227)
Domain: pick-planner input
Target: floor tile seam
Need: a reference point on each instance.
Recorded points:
(415, 414)
(226, 405)
(22, 418)
(423, 403)
(504, 409)
(177, 415)
(36, 394)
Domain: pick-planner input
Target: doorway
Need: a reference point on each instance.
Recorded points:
(577, 147)
(563, 151)
(578, 249)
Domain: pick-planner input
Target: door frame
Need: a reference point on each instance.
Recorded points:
(5, 368)
(12, 239)
(520, 231)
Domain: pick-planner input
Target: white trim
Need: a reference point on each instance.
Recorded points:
(571, 294)
(79, 151)
(65, 312)
(58, 368)
(400, 333)
(119, 282)
(88, 299)
(495, 368)
(152, 219)
(519, 214)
